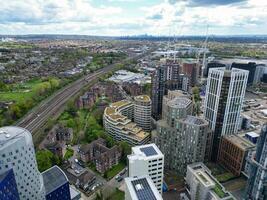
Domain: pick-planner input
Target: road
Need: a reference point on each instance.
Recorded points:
(34, 120)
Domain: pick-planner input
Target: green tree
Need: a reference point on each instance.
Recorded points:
(54, 83)
(46, 159)
(126, 150)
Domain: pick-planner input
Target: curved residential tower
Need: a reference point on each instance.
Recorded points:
(17, 153)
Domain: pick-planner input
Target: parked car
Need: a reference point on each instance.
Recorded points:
(123, 172)
(120, 179)
(81, 164)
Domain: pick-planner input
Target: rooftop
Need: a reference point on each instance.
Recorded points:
(113, 114)
(10, 134)
(142, 188)
(240, 141)
(179, 102)
(148, 150)
(228, 72)
(203, 174)
(194, 120)
(143, 98)
(53, 178)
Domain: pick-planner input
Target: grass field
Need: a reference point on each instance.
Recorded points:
(118, 195)
(115, 170)
(21, 92)
(15, 45)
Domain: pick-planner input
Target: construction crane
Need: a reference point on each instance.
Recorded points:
(204, 48)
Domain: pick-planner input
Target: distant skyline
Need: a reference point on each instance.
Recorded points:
(134, 17)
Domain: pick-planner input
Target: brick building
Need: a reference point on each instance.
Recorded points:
(103, 157)
(233, 152)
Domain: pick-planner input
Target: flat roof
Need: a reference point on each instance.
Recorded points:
(53, 178)
(144, 98)
(240, 141)
(10, 134)
(179, 102)
(142, 188)
(194, 120)
(147, 150)
(114, 115)
(204, 178)
(252, 134)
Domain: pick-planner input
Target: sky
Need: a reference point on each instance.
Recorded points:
(133, 17)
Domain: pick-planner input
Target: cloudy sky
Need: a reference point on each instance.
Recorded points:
(133, 17)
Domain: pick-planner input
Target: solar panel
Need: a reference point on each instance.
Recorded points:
(149, 151)
(143, 190)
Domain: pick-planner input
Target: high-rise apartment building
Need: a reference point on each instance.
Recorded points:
(259, 72)
(147, 160)
(180, 136)
(141, 188)
(225, 93)
(191, 68)
(212, 64)
(142, 112)
(164, 78)
(250, 66)
(17, 153)
(257, 182)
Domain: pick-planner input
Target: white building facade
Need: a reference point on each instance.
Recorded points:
(17, 153)
(147, 160)
(142, 112)
(224, 98)
(234, 96)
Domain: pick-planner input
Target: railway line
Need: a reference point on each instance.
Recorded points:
(35, 119)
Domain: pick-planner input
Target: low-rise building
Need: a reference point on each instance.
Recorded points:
(233, 152)
(56, 140)
(118, 123)
(86, 101)
(84, 180)
(200, 184)
(103, 157)
(141, 188)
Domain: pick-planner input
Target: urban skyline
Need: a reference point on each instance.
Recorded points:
(133, 100)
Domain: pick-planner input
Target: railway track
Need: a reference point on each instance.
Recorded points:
(34, 120)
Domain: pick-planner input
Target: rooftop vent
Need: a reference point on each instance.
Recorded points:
(139, 187)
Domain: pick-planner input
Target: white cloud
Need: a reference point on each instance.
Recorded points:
(81, 17)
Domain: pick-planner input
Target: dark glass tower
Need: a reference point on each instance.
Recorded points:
(8, 186)
(166, 77)
(257, 182)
